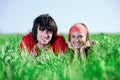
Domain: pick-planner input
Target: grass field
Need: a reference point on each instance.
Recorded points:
(103, 63)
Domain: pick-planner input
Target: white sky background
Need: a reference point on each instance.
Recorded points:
(16, 16)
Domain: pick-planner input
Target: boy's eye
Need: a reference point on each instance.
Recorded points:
(49, 32)
(42, 29)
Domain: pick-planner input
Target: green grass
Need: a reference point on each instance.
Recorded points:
(102, 64)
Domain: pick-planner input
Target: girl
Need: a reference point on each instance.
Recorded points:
(79, 40)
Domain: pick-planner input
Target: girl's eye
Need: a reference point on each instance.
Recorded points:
(80, 36)
(73, 36)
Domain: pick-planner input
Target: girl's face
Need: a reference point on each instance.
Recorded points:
(44, 37)
(77, 39)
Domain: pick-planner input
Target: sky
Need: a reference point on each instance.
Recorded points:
(100, 16)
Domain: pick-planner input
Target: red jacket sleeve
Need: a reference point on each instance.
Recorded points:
(59, 45)
(27, 42)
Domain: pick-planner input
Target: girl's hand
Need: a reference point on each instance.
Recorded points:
(83, 48)
(69, 45)
(94, 42)
(88, 44)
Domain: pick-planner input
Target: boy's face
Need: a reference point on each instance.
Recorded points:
(44, 36)
(77, 39)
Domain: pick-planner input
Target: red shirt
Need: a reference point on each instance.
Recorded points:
(58, 46)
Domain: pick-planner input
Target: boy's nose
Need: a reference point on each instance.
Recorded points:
(47, 36)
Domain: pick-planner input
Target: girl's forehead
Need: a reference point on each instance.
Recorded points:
(77, 33)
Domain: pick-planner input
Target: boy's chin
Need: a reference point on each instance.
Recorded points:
(44, 43)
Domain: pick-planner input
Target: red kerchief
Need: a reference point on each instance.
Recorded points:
(78, 28)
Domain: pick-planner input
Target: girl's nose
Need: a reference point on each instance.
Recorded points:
(76, 40)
